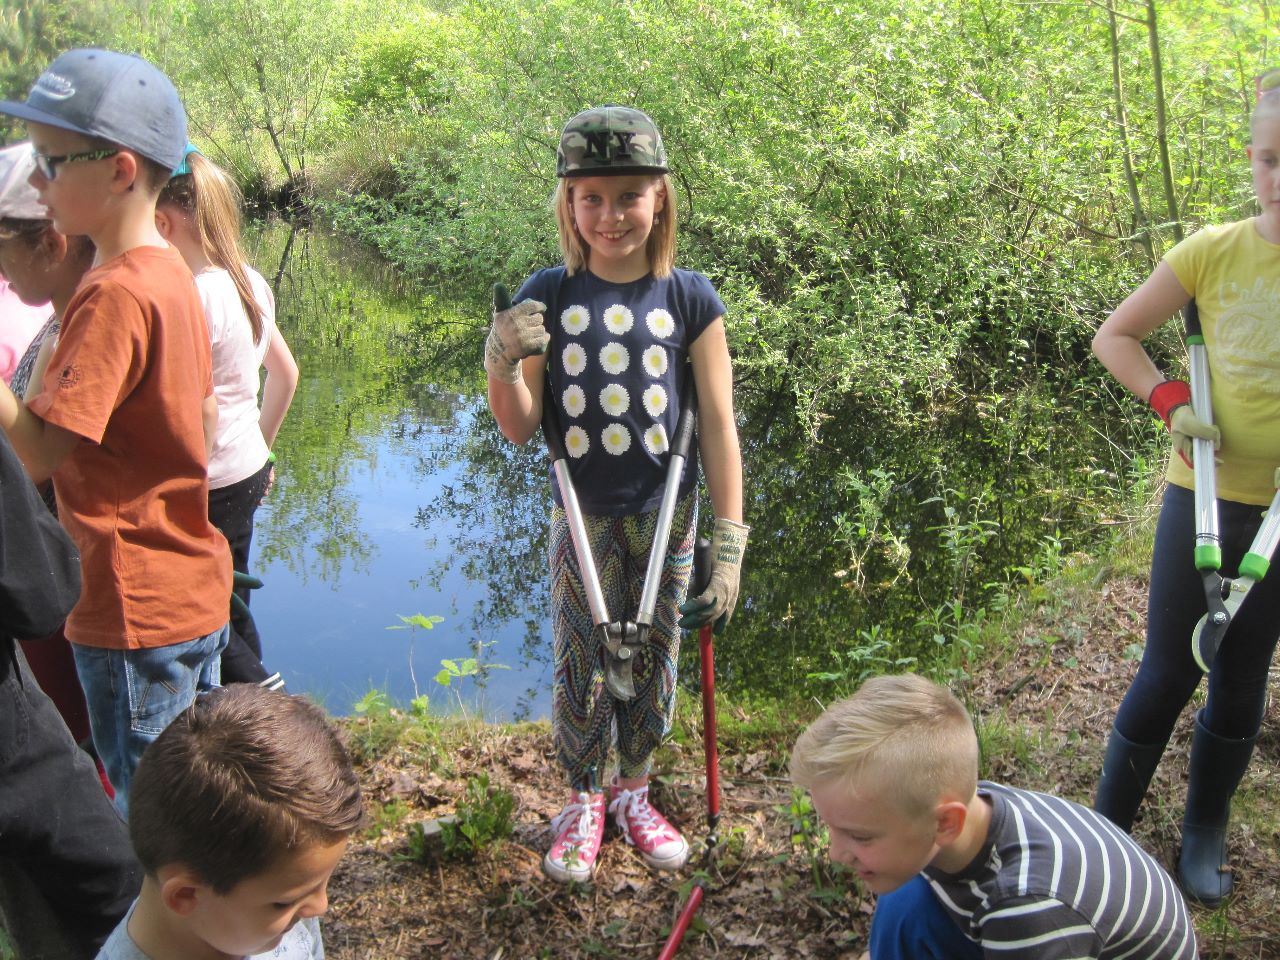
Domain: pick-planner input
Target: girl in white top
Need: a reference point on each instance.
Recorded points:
(199, 213)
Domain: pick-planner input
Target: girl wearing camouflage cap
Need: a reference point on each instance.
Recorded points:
(623, 322)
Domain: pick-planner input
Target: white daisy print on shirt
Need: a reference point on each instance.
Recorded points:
(575, 319)
(576, 442)
(575, 359)
(655, 401)
(614, 358)
(660, 323)
(655, 439)
(655, 361)
(618, 319)
(615, 400)
(617, 439)
(575, 401)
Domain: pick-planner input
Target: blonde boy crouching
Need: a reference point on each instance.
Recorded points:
(241, 810)
(964, 868)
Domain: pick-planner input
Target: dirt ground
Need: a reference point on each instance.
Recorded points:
(1044, 711)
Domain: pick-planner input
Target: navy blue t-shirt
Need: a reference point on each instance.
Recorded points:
(617, 362)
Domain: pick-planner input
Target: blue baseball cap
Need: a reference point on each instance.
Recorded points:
(115, 96)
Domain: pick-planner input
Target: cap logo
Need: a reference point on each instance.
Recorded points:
(598, 144)
(55, 86)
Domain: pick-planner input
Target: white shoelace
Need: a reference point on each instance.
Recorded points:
(581, 809)
(631, 810)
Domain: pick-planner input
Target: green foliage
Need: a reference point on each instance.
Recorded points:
(451, 670)
(378, 727)
(831, 881)
(1004, 743)
(916, 231)
(32, 34)
(386, 817)
(871, 654)
(484, 817)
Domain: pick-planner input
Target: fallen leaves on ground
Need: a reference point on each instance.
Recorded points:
(1045, 706)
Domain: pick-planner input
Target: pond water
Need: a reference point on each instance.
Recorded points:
(361, 528)
(397, 496)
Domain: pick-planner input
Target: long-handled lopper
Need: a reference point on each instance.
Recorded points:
(1223, 595)
(620, 639)
(706, 660)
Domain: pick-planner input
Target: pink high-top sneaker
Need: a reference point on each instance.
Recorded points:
(579, 831)
(661, 844)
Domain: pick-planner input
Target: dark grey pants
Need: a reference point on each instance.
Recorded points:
(57, 826)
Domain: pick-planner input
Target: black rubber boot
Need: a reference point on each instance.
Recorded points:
(1217, 764)
(1126, 770)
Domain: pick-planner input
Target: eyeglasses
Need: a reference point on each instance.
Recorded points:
(1266, 81)
(48, 166)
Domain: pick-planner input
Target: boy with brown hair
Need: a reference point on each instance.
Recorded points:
(125, 417)
(241, 810)
(965, 869)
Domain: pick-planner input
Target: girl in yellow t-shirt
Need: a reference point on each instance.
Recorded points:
(1233, 272)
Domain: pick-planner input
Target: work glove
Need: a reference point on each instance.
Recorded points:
(1172, 400)
(1187, 427)
(517, 332)
(716, 603)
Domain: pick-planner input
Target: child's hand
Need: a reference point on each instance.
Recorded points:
(716, 603)
(1187, 427)
(517, 332)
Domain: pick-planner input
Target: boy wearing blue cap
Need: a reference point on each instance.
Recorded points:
(125, 414)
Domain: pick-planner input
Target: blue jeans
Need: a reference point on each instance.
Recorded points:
(910, 922)
(134, 694)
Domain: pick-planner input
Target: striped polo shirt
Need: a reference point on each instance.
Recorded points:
(1057, 880)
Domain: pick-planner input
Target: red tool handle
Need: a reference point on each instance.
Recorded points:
(707, 659)
(682, 923)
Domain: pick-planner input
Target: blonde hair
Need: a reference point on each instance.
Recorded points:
(660, 248)
(1267, 107)
(210, 195)
(903, 731)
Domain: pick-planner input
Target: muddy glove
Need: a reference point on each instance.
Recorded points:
(517, 332)
(1172, 400)
(716, 603)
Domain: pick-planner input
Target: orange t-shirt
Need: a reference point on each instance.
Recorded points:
(129, 375)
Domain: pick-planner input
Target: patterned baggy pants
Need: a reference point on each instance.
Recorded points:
(584, 715)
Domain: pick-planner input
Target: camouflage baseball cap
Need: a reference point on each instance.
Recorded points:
(610, 140)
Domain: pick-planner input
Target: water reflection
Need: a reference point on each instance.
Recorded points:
(397, 495)
(381, 499)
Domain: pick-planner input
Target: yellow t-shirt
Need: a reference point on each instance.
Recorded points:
(1234, 274)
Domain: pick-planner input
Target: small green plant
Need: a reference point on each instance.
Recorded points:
(484, 817)
(386, 816)
(416, 622)
(1010, 742)
(451, 668)
(378, 727)
(871, 655)
(830, 880)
